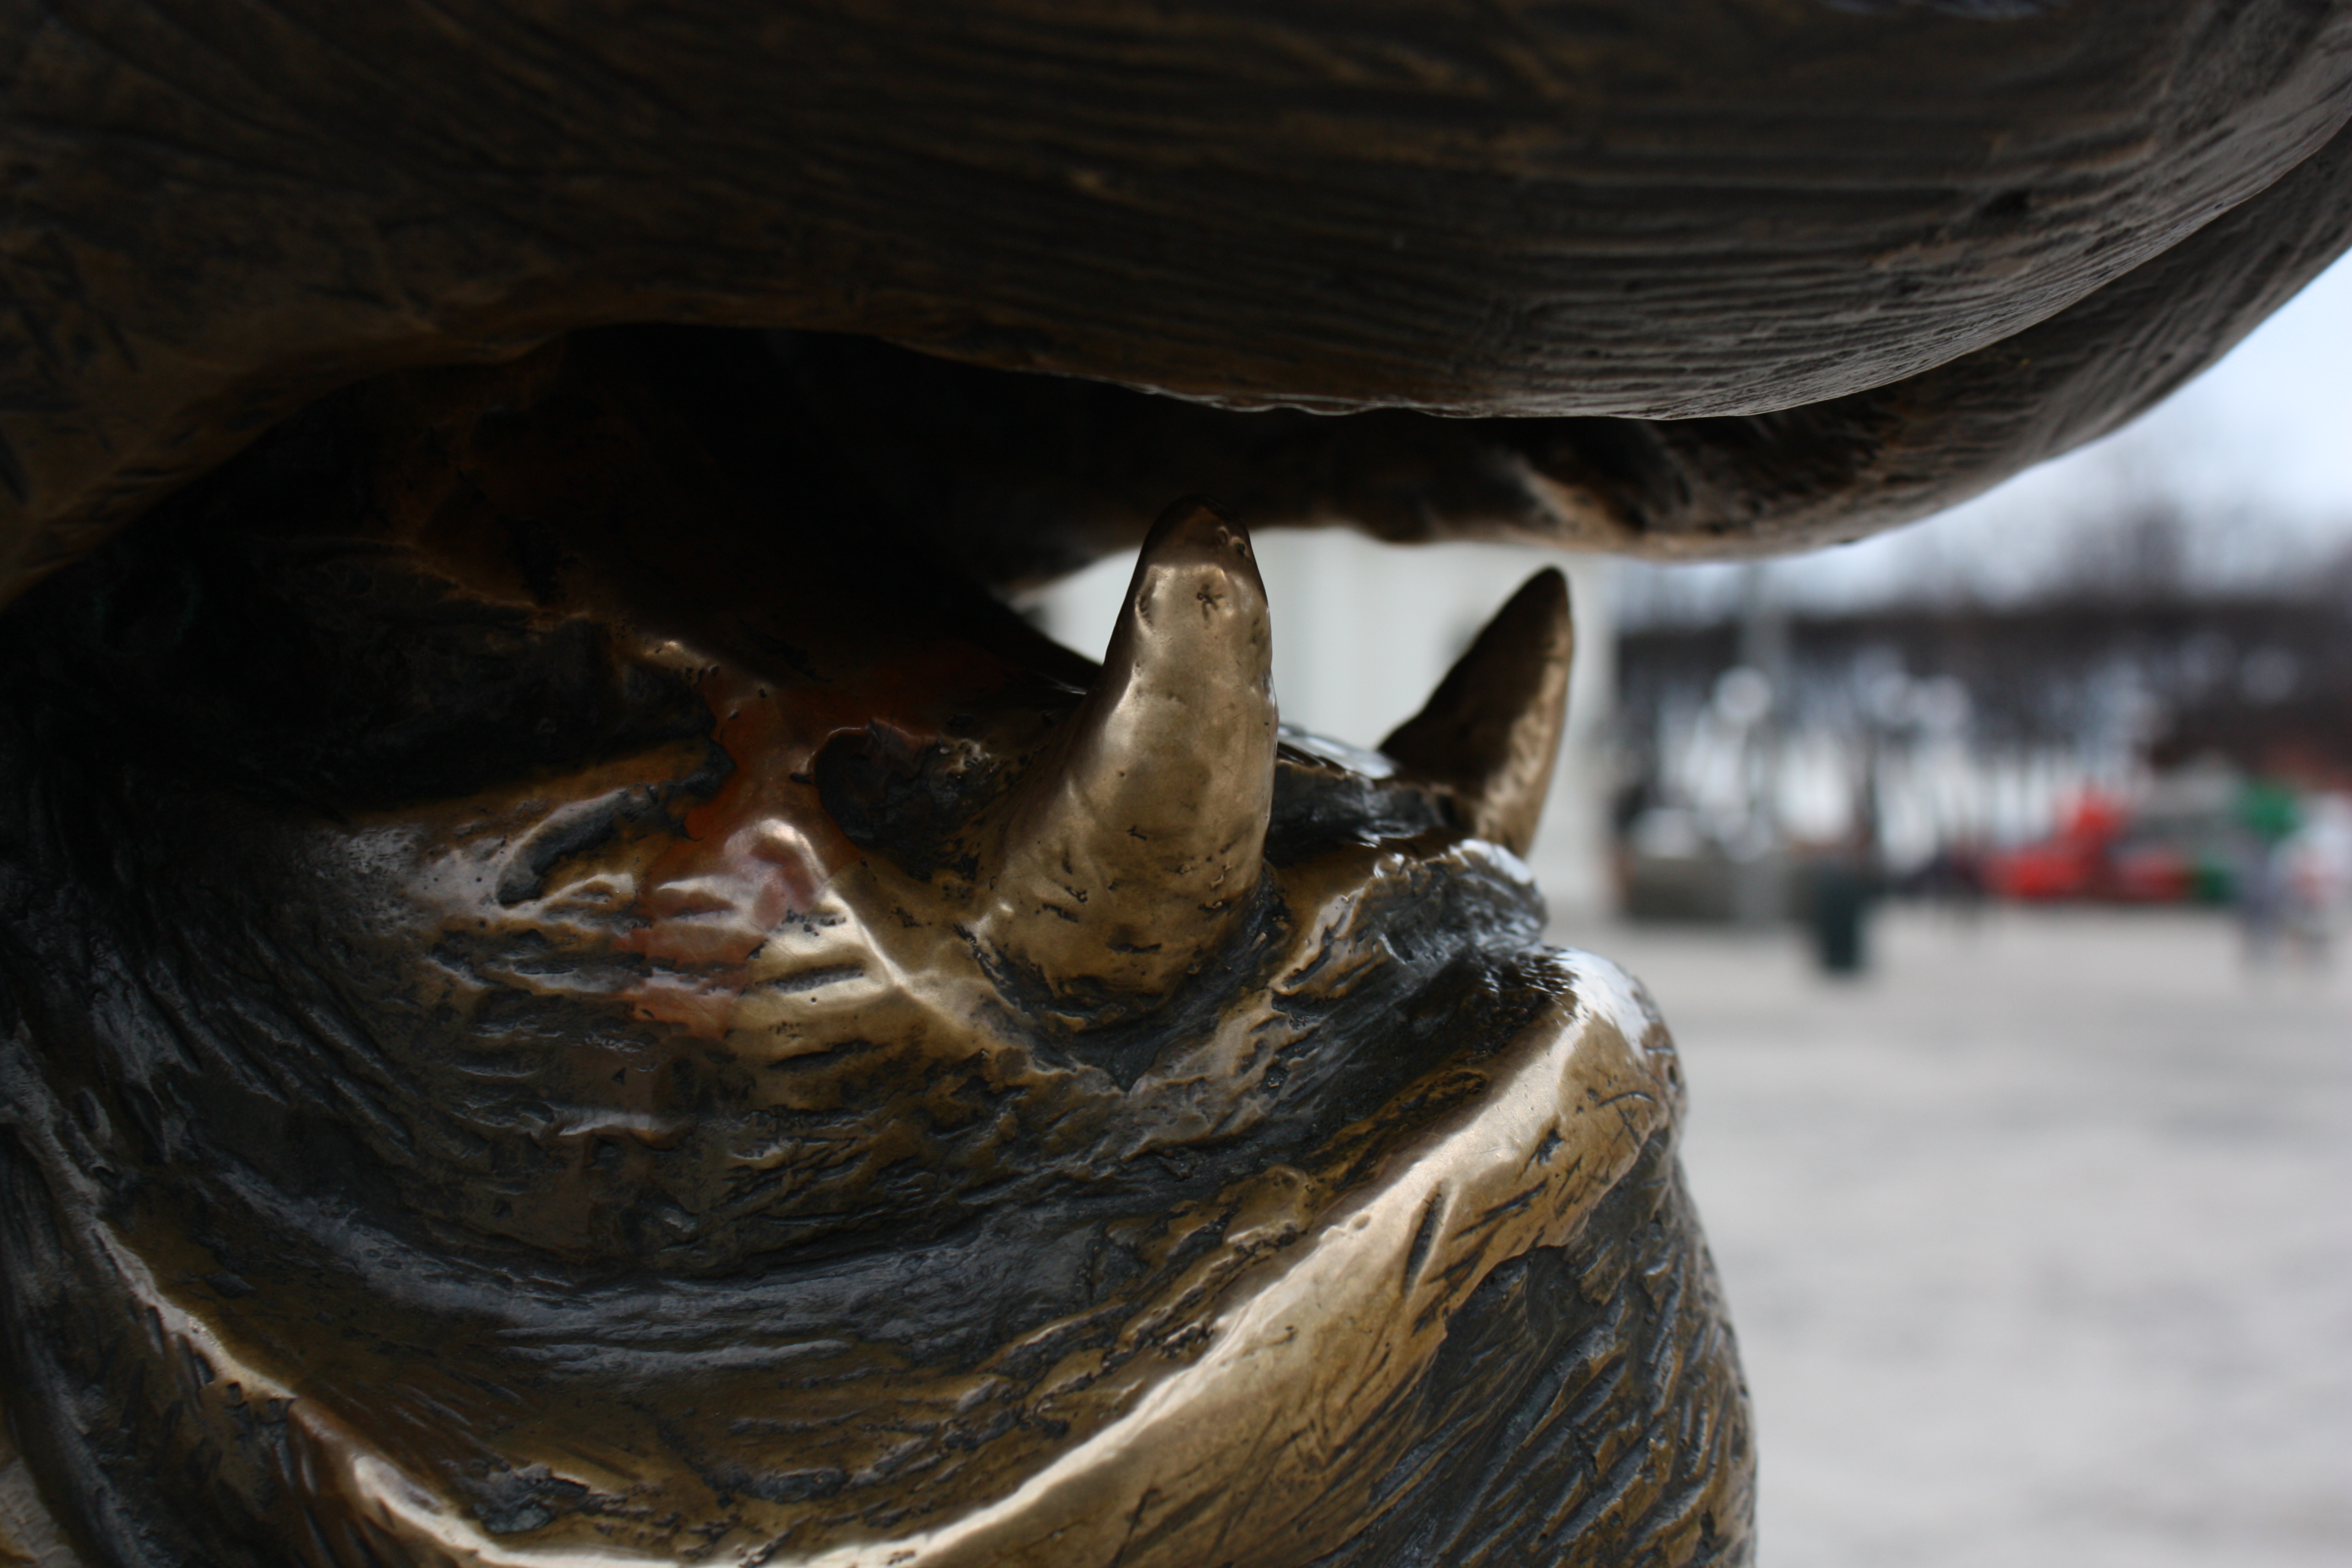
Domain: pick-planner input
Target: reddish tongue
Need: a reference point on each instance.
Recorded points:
(763, 847)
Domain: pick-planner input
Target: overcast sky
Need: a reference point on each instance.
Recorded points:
(2257, 452)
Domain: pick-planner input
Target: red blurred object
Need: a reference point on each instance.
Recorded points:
(2150, 874)
(2052, 869)
(2079, 862)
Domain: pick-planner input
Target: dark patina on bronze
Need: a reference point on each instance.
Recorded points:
(593, 1048)
(574, 988)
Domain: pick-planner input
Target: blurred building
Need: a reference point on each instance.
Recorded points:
(2114, 730)
(2101, 739)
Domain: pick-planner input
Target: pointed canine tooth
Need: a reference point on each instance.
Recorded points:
(1491, 731)
(1133, 844)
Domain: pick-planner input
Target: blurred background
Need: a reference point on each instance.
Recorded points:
(1991, 875)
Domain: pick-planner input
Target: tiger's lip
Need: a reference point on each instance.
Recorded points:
(1322, 1293)
(1565, 214)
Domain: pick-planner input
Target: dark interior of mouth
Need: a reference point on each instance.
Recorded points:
(438, 588)
(273, 622)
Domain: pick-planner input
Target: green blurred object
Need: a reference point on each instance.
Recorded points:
(2212, 883)
(2269, 810)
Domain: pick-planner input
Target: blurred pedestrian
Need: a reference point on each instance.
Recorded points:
(1838, 893)
(2268, 814)
(2315, 876)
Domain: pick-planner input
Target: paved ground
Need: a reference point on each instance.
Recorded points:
(2039, 1239)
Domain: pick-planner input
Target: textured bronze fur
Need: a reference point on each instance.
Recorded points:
(574, 988)
(534, 1037)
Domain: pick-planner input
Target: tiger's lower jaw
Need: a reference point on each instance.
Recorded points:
(1478, 1326)
(541, 1038)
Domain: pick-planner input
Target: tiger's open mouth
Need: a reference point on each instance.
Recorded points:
(577, 988)
(645, 1015)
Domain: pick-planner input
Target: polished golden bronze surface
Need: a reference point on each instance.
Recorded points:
(1133, 843)
(1491, 731)
(575, 987)
(598, 1054)
(1263, 1380)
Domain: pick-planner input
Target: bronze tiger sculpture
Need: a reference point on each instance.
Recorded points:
(578, 989)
